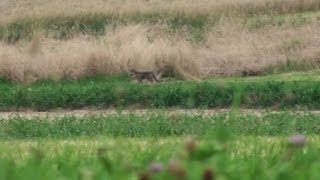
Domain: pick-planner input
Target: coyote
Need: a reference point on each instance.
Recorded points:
(148, 76)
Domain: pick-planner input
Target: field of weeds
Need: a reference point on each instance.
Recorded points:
(239, 98)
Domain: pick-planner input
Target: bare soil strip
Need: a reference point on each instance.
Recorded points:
(107, 112)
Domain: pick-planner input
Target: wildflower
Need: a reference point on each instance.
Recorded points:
(295, 144)
(298, 140)
(155, 167)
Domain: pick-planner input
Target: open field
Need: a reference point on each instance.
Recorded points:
(205, 39)
(239, 99)
(14, 9)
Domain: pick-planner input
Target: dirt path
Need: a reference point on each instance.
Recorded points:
(83, 113)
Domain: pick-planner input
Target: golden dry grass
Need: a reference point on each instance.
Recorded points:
(124, 48)
(228, 49)
(231, 50)
(16, 8)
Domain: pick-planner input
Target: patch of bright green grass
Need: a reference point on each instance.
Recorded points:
(160, 125)
(291, 20)
(245, 157)
(302, 91)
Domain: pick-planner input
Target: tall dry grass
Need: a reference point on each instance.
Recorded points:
(11, 9)
(120, 50)
(229, 50)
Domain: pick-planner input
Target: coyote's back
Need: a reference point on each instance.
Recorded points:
(144, 76)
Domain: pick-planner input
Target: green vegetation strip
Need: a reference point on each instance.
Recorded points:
(167, 158)
(113, 92)
(159, 125)
(65, 27)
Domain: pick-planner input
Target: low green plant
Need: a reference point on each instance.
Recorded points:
(159, 124)
(108, 92)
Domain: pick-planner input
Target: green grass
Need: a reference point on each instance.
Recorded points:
(292, 64)
(291, 20)
(103, 158)
(264, 92)
(278, 77)
(160, 125)
(231, 146)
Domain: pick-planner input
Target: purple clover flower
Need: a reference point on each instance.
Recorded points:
(155, 167)
(298, 140)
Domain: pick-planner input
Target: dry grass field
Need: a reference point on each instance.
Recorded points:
(199, 38)
(15, 8)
